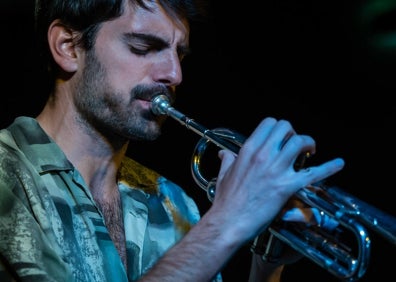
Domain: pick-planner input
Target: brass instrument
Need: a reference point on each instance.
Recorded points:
(348, 263)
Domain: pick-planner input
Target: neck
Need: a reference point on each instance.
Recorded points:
(95, 156)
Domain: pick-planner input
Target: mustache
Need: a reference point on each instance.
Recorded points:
(148, 92)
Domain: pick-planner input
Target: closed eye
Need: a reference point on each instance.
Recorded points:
(143, 44)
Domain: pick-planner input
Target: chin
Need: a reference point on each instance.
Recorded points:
(151, 131)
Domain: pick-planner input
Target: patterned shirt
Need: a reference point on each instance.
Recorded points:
(52, 230)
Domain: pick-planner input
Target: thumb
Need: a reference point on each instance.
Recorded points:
(227, 158)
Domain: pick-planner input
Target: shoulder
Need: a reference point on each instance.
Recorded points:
(11, 158)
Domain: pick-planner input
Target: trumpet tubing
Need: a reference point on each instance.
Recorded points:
(323, 248)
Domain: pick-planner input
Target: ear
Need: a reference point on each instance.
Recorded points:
(62, 46)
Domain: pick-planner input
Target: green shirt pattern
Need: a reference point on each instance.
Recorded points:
(51, 228)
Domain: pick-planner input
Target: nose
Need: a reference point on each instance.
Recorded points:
(168, 69)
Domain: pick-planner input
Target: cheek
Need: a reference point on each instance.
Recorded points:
(117, 61)
(124, 69)
(127, 69)
(123, 74)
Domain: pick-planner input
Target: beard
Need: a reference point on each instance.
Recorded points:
(115, 115)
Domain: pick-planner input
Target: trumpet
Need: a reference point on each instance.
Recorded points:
(323, 247)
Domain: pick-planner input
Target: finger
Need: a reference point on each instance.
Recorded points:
(323, 220)
(318, 173)
(300, 215)
(267, 140)
(227, 158)
(248, 155)
(280, 134)
(311, 216)
(262, 131)
(295, 147)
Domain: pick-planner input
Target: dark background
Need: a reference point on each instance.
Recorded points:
(327, 66)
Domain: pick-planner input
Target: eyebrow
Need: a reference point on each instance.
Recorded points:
(155, 41)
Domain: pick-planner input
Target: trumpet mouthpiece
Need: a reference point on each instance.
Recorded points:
(160, 104)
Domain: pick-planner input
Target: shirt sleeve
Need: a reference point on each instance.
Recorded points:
(25, 251)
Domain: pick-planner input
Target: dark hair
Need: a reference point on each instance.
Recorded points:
(86, 16)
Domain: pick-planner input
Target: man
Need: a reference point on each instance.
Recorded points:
(75, 208)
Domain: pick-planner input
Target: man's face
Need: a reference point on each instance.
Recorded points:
(135, 57)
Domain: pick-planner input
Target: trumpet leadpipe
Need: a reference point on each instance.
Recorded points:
(160, 105)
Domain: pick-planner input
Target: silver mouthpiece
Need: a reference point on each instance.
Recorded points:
(160, 105)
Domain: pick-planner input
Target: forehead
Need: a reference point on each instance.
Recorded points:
(155, 21)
